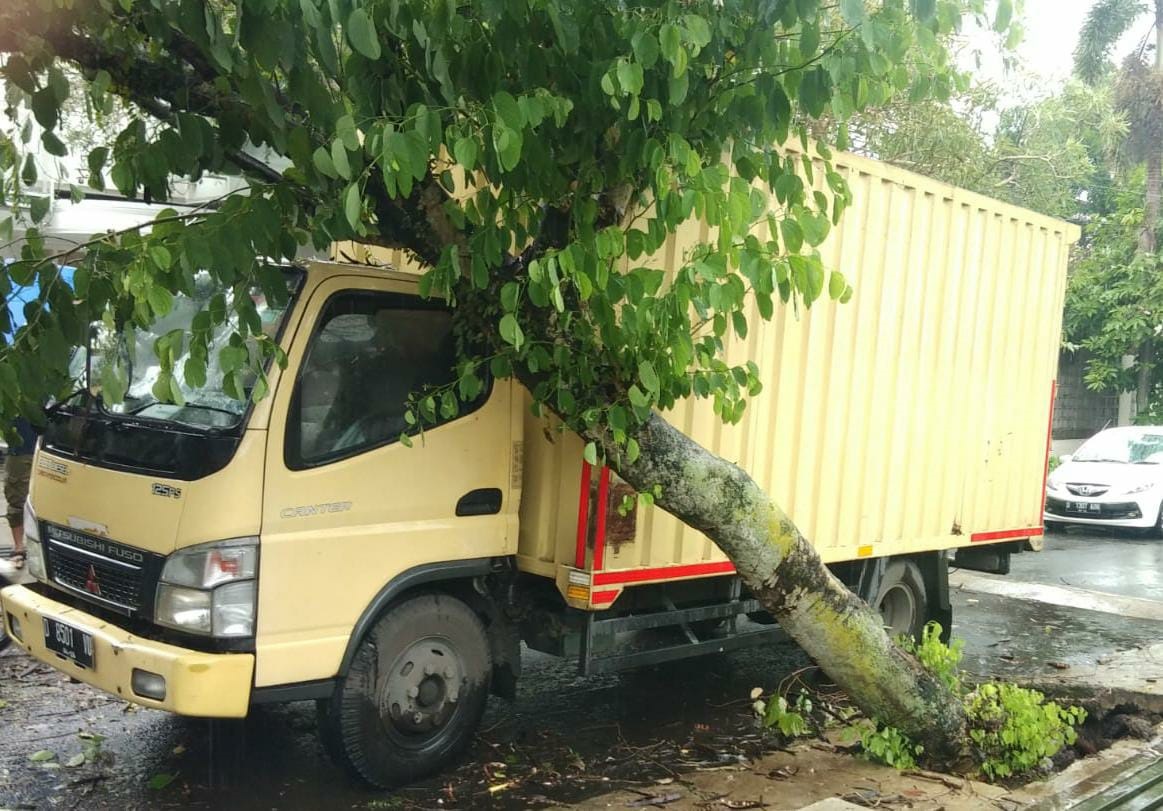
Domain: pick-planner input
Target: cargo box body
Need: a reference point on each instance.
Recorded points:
(913, 418)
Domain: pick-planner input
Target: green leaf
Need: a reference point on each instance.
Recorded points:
(670, 40)
(590, 453)
(28, 174)
(836, 285)
(161, 781)
(793, 237)
(45, 107)
(632, 450)
(361, 33)
(324, 164)
(161, 300)
(42, 756)
(630, 77)
(53, 145)
(815, 227)
(38, 208)
(339, 159)
(853, 12)
(232, 358)
(1005, 13)
(161, 256)
(648, 377)
(353, 206)
(509, 295)
(645, 46)
(465, 152)
(346, 132)
(697, 29)
(508, 111)
(511, 331)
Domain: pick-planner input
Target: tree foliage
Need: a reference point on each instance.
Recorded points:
(531, 153)
(1050, 153)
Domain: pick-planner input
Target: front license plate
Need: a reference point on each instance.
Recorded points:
(71, 643)
(1083, 507)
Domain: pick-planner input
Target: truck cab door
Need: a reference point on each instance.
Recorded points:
(348, 505)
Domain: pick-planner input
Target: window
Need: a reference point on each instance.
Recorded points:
(368, 353)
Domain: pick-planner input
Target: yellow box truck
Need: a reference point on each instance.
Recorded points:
(205, 557)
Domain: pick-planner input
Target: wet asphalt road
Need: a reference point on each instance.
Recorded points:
(565, 737)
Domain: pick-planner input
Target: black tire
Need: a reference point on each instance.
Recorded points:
(903, 600)
(414, 694)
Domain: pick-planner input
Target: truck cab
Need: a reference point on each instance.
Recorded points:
(204, 556)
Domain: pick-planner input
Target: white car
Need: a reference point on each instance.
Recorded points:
(1114, 480)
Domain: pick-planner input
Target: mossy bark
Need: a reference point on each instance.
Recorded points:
(782, 570)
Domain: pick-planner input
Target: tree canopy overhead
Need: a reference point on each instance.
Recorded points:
(581, 133)
(532, 154)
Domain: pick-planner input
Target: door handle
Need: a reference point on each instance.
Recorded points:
(484, 501)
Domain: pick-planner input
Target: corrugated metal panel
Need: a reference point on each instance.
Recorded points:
(912, 418)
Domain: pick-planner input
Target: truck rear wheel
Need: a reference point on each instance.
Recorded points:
(414, 694)
(903, 600)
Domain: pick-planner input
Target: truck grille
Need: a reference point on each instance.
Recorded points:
(101, 571)
(107, 580)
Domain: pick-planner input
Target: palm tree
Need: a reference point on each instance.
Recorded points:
(1139, 95)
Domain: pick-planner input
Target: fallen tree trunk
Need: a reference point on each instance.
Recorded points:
(783, 571)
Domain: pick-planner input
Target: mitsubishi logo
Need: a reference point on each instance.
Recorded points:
(91, 584)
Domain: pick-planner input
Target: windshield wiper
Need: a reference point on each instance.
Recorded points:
(208, 407)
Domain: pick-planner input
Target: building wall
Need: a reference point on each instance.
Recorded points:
(1079, 412)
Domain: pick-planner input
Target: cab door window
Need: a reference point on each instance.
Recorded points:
(368, 353)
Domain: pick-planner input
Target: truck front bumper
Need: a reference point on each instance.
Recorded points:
(208, 685)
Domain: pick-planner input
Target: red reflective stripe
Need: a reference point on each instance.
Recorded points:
(583, 515)
(664, 573)
(1046, 461)
(605, 596)
(1005, 534)
(600, 532)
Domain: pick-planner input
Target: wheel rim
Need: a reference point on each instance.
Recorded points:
(422, 690)
(898, 609)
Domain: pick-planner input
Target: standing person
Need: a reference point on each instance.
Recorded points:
(17, 471)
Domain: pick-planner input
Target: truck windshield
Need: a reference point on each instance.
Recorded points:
(125, 368)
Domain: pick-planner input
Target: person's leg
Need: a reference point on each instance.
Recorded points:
(17, 470)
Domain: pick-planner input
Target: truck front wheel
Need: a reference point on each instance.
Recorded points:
(414, 694)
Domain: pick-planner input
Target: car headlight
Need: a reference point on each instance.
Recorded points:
(1138, 489)
(1053, 484)
(33, 551)
(210, 589)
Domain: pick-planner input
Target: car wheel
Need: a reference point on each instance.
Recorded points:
(903, 601)
(414, 694)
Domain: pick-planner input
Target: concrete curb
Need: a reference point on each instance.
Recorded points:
(1095, 781)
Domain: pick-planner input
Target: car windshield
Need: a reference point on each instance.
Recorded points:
(1136, 446)
(126, 361)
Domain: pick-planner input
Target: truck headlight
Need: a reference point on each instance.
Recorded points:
(210, 589)
(33, 551)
